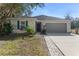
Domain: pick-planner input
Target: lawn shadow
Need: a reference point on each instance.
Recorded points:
(12, 36)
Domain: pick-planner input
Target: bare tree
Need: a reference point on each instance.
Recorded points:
(68, 17)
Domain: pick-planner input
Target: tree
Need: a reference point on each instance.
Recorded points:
(72, 24)
(76, 24)
(16, 9)
(68, 17)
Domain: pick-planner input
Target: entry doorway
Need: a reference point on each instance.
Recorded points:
(38, 26)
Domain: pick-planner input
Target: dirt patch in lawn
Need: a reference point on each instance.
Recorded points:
(29, 46)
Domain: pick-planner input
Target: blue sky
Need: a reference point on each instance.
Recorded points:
(58, 9)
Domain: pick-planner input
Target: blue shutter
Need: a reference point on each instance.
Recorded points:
(18, 25)
(26, 23)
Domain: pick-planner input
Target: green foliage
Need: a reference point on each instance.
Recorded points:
(29, 30)
(72, 25)
(7, 28)
(77, 24)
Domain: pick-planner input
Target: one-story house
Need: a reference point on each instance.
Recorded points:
(37, 23)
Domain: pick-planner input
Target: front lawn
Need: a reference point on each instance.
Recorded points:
(24, 47)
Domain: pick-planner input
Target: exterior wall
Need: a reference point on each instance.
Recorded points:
(58, 21)
(31, 22)
(14, 24)
(68, 26)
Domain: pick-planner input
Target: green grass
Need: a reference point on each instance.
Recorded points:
(29, 46)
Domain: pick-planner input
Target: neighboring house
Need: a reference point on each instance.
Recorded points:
(37, 23)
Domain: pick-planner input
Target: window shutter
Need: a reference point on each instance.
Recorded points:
(26, 23)
(17, 24)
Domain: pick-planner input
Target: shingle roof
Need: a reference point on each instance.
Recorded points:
(44, 17)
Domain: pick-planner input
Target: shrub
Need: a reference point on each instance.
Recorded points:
(7, 28)
(43, 31)
(29, 31)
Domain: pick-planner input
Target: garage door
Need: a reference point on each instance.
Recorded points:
(56, 27)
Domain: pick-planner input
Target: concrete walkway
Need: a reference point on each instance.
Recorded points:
(66, 44)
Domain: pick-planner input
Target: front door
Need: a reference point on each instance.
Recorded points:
(38, 26)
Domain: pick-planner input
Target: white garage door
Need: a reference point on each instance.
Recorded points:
(56, 27)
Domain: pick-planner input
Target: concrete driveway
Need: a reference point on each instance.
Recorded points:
(63, 44)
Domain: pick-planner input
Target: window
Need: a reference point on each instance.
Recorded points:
(23, 25)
